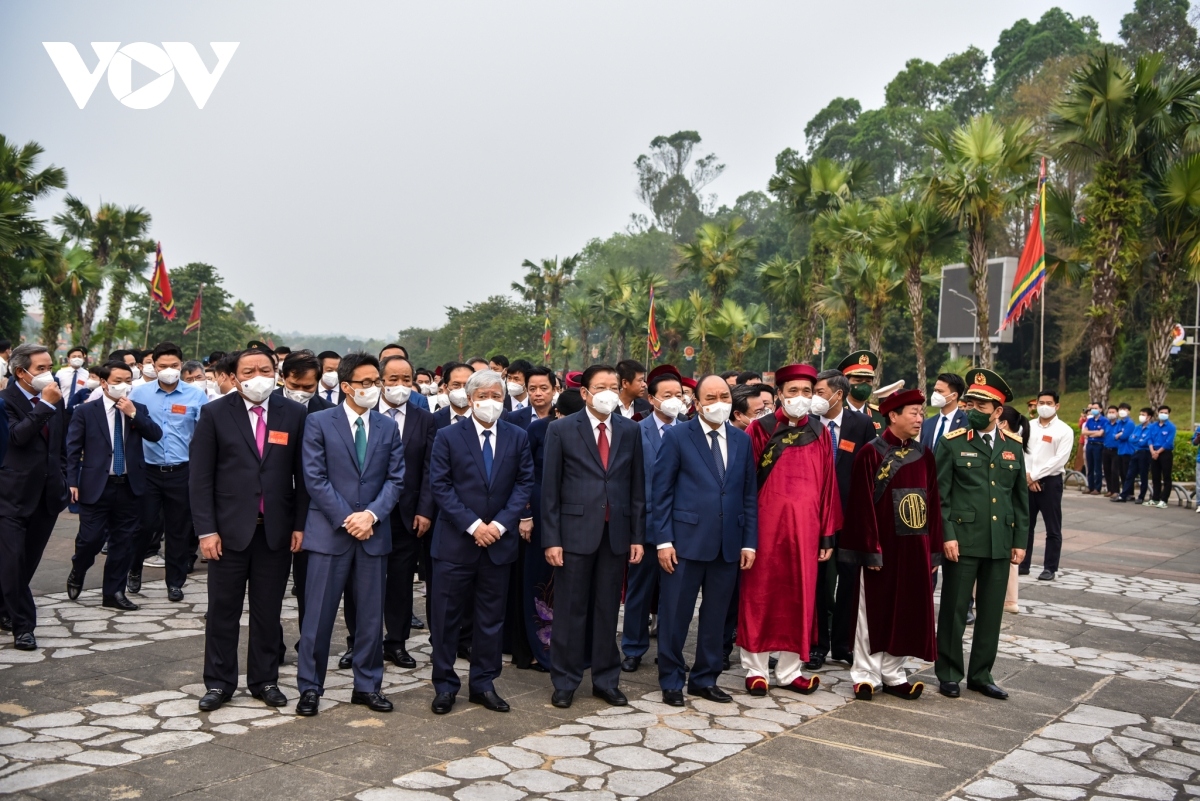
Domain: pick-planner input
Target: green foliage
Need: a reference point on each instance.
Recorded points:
(226, 324)
(1161, 26)
(1026, 46)
(497, 325)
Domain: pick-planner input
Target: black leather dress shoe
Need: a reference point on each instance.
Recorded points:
(119, 601)
(990, 690)
(399, 658)
(1022, 571)
(134, 583)
(271, 695)
(673, 697)
(309, 704)
(949, 689)
(562, 698)
(346, 660)
(175, 594)
(815, 662)
(630, 664)
(536, 667)
(74, 584)
(846, 658)
(1046, 575)
(214, 700)
(489, 700)
(374, 701)
(612, 697)
(712, 693)
(25, 642)
(5, 622)
(416, 623)
(442, 703)
(725, 662)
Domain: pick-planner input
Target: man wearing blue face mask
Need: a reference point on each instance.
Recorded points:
(1162, 454)
(1094, 429)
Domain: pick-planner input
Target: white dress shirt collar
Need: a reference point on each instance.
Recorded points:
(352, 415)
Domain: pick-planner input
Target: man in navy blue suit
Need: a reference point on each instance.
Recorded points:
(459, 408)
(481, 475)
(539, 396)
(947, 392)
(106, 473)
(642, 580)
(354, 472)
(704, 525)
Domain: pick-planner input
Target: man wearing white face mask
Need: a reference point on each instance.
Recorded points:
(515, 375)
(73, 377)
(175, 406)
(458, 407)
(665, 388)
(799, 510)
(481, 474)
(300, 372)
(947, 392)
(1050, 442)
(329, 390)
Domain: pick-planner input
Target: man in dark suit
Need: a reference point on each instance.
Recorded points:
(250, 507)
(539, 394)
(593, 524)
(481, 475)
(633, 404)
(330, 389)
(455, 387)
(411, 518)
(703, 525)
(837, 587)
(642, 579)
(947, 392)
(106, 473)
(33, 482)
(354, 474)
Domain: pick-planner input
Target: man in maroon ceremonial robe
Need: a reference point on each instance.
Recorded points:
(798, 512)
(893, 533)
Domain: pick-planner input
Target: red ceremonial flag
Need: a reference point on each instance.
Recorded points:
(655, 345)
(1031, 269)
(160, 286)
(193, 323)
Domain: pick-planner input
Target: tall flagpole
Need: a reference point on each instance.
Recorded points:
(1042, 341)
(149, 308)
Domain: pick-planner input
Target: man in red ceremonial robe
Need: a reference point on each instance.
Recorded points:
(799, 510)
(893, 533)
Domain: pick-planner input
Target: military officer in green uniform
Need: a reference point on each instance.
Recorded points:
(859, 368)
(985, 507)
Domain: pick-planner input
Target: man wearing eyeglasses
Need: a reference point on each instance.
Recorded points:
(354, 472)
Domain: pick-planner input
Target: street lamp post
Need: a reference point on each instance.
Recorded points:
(974, 312)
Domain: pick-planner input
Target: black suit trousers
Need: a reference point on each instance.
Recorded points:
(167, 493)
(22, 542)
(397, 594)
(266, 573)
(116, 517)
(587, 581)
(483, 588)
(1049, 503)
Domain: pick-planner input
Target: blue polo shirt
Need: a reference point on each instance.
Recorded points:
(1120, 431)
(1140, 438)
(176, 412)
(1162, 435)
(1095, 424)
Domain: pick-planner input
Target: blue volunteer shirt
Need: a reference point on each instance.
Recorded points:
(1121, 432)
(176, 412)
(1162, 435)
(1140, 438)
(1095, 424)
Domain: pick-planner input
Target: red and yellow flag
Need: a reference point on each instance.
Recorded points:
(652, 330)
(1031, 269)
(546, 340)
(193, 323)
(160, 286)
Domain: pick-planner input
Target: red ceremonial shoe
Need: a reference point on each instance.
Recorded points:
(863, 691)
(756, 686)
(909, 692)
(805, 686)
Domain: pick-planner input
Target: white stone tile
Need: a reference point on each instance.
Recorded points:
(1140, 787)
(182, 724)
(476, 768)
(637, 782)
(113, 708)
(176, 708)
(705, 752)
(574, 766)
(539, 781)
(51, 720)
(128, 722)
(1058, 792)
(1098, 716)
(632, 720)
(554, 746)
(166, 741)
(230, 728)
(77, 733)
(38, 775)
(232, 714)
(103, 759)
(616, 736)
(423, 780)
(1025, 767)
(156, 697)
(729, 736)
(489, 791)
(33, 751)
(397, 794)
(9, 736)
(663, 739)
(991, 788)
(748, 724)
(635, 757)
(1075, 733)
(516, 757)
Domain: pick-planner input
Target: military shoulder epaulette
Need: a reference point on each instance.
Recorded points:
(874, 406)
(1014, 437)
(958, 432)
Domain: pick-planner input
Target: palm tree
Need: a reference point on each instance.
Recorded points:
(1176, 245)
(677, 317)
(808, 190)
(128, 263)
(702, 314)
(580, 308)
(981, 170)
(837, 298)
(717, 257)
(566, 347)
(912, 232)
(882, 279)
(1122, 123)
(61, 277)
(532, 287)
(785, 283)
(741, 328)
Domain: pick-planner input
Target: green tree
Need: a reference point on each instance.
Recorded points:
(741, 329)
(785, 282)
(1161, 26)
(668, 188)
(717, 257)
(1026, 46)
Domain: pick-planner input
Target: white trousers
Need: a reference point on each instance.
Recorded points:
(789, 667)
(872, 668)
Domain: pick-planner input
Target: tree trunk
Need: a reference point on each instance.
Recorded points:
(1103, 328)
(875, 338)
(797, 324)
(812, 324)
(1163, 307)
(89, 315)
(852, 324)
(977, 247)
(53, 317)
(116, 299)
(1062, 375)
(916, 310)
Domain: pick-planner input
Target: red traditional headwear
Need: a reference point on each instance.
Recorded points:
(690, 383)
(795, 372)
(574, 379)
(664, 369)
(898, 400)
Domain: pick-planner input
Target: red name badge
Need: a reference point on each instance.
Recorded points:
(1009, 455)
(178, 408)
(277, 437)
(846, 445)
(1047, 438)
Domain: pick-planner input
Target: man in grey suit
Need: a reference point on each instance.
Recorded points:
(593, 524)
(354, 473)
(666, 396)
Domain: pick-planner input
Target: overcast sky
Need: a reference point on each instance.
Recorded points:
(361, 165)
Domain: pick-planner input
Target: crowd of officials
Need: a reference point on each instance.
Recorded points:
(533, 505)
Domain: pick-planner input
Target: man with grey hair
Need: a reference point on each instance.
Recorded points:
(33, 483)
(849, 432)
(481, 475)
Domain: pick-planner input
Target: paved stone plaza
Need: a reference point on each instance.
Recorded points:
(1103, 666)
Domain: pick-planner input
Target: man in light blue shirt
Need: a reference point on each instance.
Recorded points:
(175, 406)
